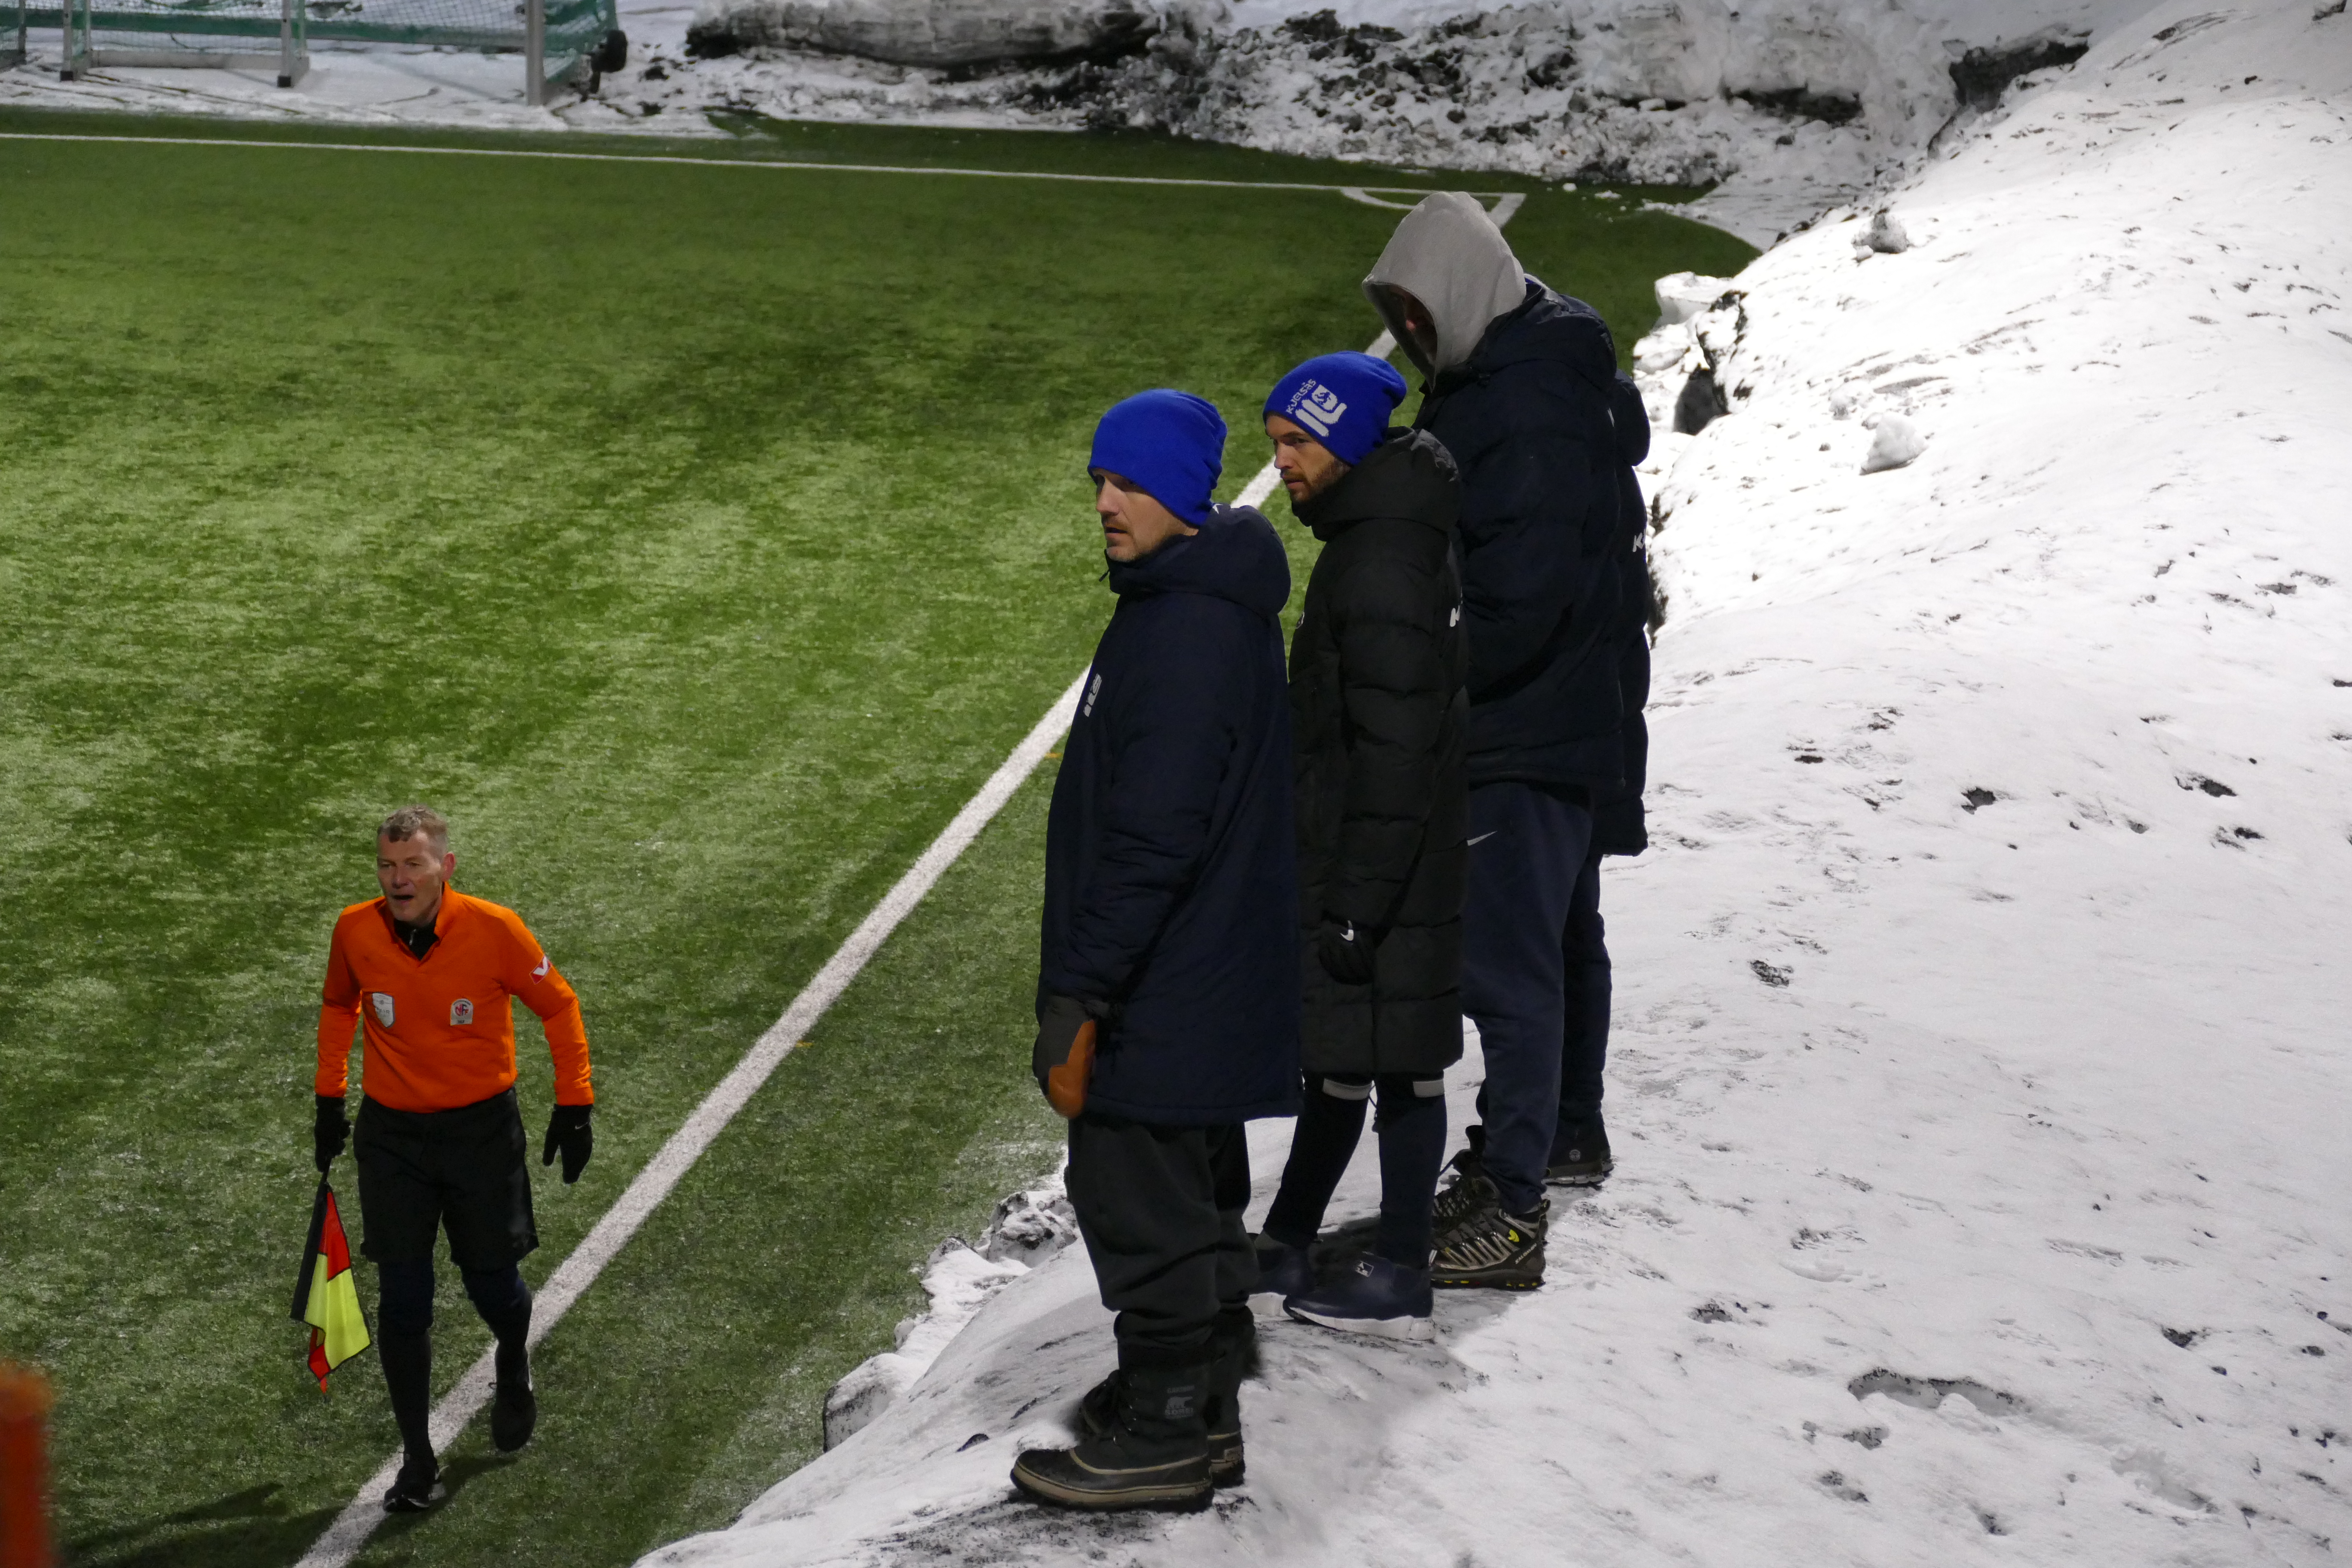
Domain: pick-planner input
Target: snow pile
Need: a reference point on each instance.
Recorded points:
(926, 32)
(1799, 103)
(1981, 1078)
(1029, 1229)
(1805, 99)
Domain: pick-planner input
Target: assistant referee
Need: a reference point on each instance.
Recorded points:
(427, 973)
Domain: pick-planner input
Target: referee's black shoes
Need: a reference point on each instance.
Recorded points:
(416, 1489)
(515, 1412)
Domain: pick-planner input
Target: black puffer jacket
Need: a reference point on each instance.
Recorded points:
(1546, 431)
(1379, 728)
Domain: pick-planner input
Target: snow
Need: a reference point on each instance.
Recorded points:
(1981, 1078)
(1796, 105)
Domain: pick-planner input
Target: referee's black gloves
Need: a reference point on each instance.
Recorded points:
(331, 1131)
(568, 1130)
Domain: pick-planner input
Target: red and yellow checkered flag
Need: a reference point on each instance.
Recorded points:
(325, 1296)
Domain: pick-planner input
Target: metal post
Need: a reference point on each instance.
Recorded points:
(285, 42)
(66, 66)
(534, 53)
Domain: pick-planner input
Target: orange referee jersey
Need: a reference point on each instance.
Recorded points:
(440, 1031)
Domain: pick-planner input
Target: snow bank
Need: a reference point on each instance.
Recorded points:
(1796, 104)
(1982, 1081)
(926, 32)
(1029, 1229)
(1804, 101)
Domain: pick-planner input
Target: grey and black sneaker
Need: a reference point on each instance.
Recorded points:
(1465, 1195)
(1580, 1156)
(1492, 1250)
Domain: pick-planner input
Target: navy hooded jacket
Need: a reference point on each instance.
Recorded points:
(1556, 589)
(1171, 873)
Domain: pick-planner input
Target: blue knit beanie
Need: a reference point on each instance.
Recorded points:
(1343, 401)
(1171, 444)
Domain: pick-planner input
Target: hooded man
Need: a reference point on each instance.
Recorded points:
(1168, 973)
(1524, 392)
(1378, 728)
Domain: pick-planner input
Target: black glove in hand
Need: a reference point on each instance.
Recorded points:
(1060, 1018)
(568, 1130)
(1346, 949)
(331, 1131)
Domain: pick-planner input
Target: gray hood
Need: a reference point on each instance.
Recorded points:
(1448, 254)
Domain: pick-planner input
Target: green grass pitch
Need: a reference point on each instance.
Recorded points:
(698, 539)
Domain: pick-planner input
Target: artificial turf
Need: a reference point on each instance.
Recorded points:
(698, 539)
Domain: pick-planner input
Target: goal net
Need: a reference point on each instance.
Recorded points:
(561, 41)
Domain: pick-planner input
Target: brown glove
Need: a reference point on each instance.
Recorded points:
(1063, 1057)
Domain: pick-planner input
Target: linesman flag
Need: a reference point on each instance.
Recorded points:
(325, 1296)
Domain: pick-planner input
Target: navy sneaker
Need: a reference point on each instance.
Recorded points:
(1282, 1271)
(1371, 1295)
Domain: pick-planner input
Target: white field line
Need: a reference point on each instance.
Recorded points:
(1507, 201)
(460, 1405)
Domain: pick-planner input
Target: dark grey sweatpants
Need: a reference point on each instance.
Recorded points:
(1161, 1209)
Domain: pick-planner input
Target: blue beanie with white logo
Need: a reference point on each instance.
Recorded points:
(1343, 401)
(1172, 445)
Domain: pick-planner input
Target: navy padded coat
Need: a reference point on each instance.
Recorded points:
(1171, 873)
(1545, 431)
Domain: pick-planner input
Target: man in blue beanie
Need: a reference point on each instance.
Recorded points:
(1168, 957)
(1379, 726)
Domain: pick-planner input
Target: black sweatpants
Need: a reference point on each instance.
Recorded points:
(1161, 1209)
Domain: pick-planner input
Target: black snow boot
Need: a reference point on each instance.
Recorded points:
(1234, 1344)
(408, 1378)
(1579, 1155)
(1153, 1452)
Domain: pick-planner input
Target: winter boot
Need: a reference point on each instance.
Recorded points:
(1580, 1156)
(1282, 1271)
(407, 1362)
(1470, 1191)
(1492, 1250)
(1154, 1452)
(1235, 1344)
(1371, 1296)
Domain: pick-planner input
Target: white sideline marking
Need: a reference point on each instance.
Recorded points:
(359, 1519)
(1508, 202)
